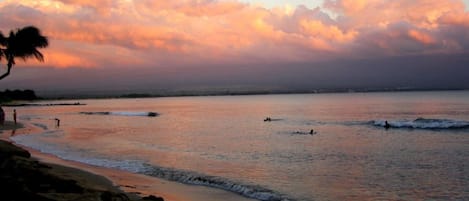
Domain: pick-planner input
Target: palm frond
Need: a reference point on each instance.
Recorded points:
(39, 56)
(24, 43)
(3, 40)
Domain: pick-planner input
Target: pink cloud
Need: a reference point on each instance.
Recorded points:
(329, 32)
(421, 13)
(455, 19)
(190, 7)
(421, 37)
(116, 32)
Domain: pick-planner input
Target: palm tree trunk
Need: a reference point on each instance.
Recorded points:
(8, 71)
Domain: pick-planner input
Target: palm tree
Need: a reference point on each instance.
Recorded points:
(22, 43)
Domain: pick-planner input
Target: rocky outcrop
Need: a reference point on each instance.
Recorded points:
(23, 178)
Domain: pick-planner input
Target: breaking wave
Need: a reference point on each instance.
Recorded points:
(187, 177)
(147, 114)
(422, 123)
(140, 167)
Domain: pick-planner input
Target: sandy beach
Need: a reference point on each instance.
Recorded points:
(32, 175)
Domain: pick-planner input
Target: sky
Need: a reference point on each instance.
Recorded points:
(146, 46)
(277, 3)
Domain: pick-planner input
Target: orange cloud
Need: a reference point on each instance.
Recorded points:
(145, 32)
(349, 7)
(421, 13)
(59, 60)
(421, 37)
(90, 3)
(63, 60)
(455, 18)
(209, 8)
(320, 30)
(101, 6)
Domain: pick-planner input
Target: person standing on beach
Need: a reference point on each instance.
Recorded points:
(2, 116)
(57, 121)
(14, 116)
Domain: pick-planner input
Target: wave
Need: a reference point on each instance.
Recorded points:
(43, 126)
(187, 177)
(137, 166)
(146, 114)
(422, 123)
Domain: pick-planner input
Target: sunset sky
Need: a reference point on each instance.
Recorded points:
(148, 46)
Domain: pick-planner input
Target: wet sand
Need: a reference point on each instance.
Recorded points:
(102, 183)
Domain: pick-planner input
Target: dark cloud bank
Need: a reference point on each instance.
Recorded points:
(428, 72)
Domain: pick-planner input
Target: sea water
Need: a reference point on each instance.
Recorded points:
(223, 142)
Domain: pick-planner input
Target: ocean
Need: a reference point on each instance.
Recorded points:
(223, 142)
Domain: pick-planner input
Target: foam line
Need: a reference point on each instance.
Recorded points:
(123, 113)
(422, 123)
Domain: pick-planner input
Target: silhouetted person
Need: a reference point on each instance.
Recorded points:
(57, 121)
(14, 116)
(2, 116)
(311, 132)
(386, 125)
(268, 119)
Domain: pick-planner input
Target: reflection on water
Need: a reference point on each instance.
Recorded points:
(349, 158)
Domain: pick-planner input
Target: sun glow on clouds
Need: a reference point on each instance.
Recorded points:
(90, 33)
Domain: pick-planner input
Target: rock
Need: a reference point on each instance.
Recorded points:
(106, 196)
(24, 178)
(109, 196)
(153, 198)
(7, 149)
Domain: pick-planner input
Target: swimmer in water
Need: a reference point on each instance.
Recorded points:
(386, 125)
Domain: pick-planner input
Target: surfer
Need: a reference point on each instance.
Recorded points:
(311, 132)
(268, 119)
(386, 125)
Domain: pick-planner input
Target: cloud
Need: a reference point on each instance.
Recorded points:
(455, 19)
(317, 29)
(190, 7)
(366, 13)
(90, 33)
(421, 37)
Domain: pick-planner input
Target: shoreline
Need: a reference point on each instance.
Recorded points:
(25, 175)
(117, 183)
(242, 93)
(25, 178)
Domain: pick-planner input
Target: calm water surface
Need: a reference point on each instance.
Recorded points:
(223, 142)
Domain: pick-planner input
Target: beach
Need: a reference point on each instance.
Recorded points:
(24, 177)
(28, 174)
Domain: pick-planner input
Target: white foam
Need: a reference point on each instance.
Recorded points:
(137, 166)
(187, 177)
(131, 113)
(123, 113)
(422, 123)
(68, 153)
